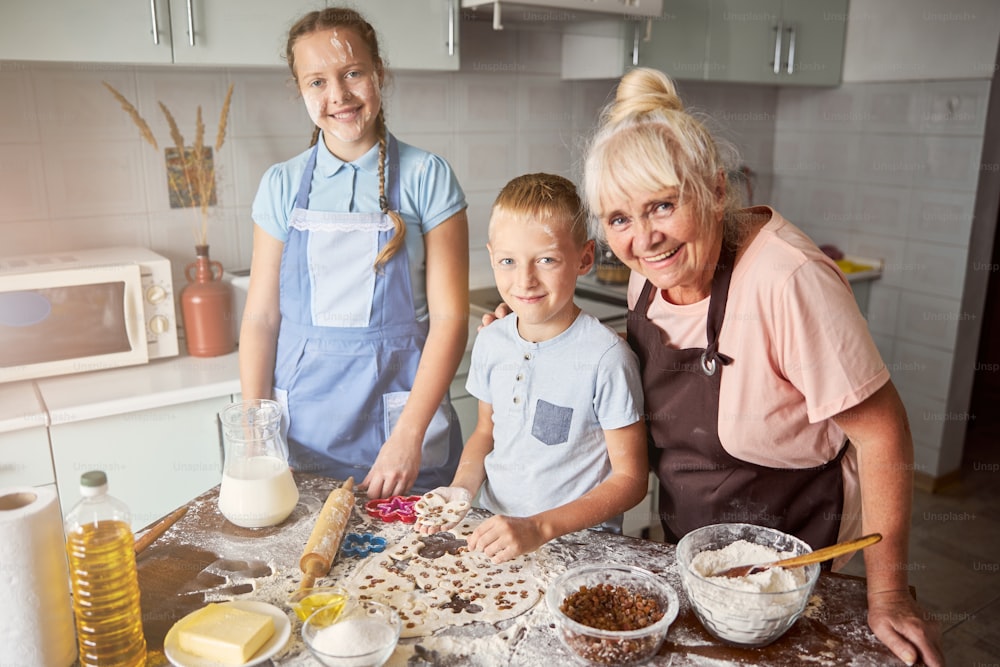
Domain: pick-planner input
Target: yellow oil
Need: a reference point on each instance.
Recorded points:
(332, 602)
(106, 595)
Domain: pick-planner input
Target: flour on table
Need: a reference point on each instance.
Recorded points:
(435, 582)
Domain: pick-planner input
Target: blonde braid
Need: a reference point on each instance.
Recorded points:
(396, 242)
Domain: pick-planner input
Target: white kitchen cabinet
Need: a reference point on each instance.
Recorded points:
(775, 42)
(781, 42)
(674, 43)
(95, 31)
(156, 459)
(203, 32)
(415, 34)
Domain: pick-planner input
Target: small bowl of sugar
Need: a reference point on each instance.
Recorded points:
(362, 633)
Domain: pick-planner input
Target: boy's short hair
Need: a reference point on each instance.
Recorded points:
(544, 197)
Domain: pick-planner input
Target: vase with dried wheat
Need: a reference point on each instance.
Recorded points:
(206, 300)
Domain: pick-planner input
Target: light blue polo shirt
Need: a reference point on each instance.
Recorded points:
(429, 194)
(552, 402)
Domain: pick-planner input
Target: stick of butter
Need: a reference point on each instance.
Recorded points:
(225, 633)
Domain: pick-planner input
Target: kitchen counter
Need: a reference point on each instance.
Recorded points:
(203, 558)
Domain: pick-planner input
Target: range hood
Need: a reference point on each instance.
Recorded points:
(542, 11)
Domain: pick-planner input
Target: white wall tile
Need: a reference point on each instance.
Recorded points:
(182, 92)
(420, 103)
(486, 103)
(889, 160)
(266, 103)
(543, 104)
(544, 151)
(948, 162)
(102, 231)
(883, 305)
(928, 320)
(539, 51)
(26, 238)
(22, 183)
(881, 209)
(936, 268)
(955, 107)
(941, 216)
(486, 161)
(81, 181)
(890, 108)
(829, 205)
(70, 100)
(926, 416)
(18, 114)
(480, 204)
(836, 109)
(920, 369)
(251, 157)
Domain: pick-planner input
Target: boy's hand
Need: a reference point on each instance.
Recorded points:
(505, 537)
(441, 509)
(502, 311)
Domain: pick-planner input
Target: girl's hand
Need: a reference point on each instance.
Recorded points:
(395, 469)
(505, 537)
(441, 509)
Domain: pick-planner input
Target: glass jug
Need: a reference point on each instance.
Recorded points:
(257, 487)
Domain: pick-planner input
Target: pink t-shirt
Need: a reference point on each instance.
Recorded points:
(801, 354)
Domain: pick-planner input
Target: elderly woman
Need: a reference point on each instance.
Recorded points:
(767, 400)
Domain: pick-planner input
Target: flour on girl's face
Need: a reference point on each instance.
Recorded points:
(340, 85)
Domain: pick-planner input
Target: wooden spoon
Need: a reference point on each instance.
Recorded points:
(818, 556)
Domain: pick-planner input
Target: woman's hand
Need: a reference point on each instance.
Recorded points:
(505, 537)
(395, 469)
(502, 311)
(902, 625)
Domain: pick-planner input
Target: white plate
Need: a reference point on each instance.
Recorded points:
(282, 631)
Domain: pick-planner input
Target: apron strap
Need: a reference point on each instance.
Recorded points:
(302, 197)
(717, 311)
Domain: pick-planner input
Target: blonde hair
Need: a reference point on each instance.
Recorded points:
(346, 18)
(544, 197)
(648, 141)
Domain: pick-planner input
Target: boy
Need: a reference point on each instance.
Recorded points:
(560, 444)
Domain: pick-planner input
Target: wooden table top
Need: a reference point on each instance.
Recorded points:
(203, 558)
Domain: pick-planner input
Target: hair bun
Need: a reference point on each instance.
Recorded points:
(644, 91)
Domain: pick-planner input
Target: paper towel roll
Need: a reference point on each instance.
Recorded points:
(36, 618)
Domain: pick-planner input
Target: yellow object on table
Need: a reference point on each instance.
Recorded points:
(847, 266)
(225, 634)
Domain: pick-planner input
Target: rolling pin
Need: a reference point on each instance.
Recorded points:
(327, 534)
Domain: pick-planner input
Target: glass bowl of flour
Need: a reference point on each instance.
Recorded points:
(753, 610)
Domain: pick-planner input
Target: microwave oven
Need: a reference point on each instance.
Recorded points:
(86, 310)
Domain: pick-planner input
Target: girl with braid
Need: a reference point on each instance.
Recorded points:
(357, 312)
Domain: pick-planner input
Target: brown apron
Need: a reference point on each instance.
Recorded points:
(700, 482)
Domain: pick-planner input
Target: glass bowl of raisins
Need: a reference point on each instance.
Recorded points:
(611, 614)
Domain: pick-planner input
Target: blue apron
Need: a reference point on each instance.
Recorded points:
(350, 342)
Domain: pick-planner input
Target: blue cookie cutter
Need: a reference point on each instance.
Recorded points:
(360, 545)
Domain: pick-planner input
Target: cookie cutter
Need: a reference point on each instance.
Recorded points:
(362, 544)
(396, 508)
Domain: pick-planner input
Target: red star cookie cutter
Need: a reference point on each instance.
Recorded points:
(396, 508)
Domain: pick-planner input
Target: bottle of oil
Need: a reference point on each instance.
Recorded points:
(101, 550)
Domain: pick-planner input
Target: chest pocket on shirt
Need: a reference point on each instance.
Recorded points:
(551, 423)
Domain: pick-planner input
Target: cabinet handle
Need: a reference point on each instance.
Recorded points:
(791, 51)
(190, 24)
(156, 26)
(778, 29)
(451, 27)
(635, 45)
(497, 22)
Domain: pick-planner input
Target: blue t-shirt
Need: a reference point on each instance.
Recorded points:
(552, 402)
(429, 194)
